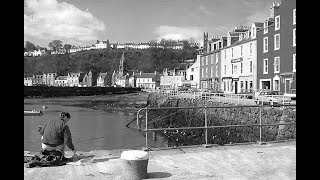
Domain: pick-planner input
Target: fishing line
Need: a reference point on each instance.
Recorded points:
(89, 139)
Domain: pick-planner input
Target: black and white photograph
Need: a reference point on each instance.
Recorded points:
(159, 89)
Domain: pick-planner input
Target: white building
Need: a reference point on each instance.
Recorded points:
(61, 81)
(101, 44)
(239, 62)
(28, 81)
(193, 74)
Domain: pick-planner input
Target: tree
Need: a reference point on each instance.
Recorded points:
(67, 47)
(30, 46)
(55, 45)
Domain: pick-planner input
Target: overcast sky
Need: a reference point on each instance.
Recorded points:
(82, 22)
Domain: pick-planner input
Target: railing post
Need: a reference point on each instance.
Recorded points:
(147, 128)
(260, 126)
(206, 125)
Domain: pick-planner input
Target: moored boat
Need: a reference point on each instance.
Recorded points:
(33, 113)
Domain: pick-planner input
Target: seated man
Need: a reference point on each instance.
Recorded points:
(56, 134)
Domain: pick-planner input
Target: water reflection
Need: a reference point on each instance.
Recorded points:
(91, 129)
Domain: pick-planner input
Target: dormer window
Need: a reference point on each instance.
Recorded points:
(277, 23)
(294, 16)
(265, 27)
(254, 32)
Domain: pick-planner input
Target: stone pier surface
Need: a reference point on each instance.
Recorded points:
(250, 161)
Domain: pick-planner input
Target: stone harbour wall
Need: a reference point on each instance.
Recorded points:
(174, 118)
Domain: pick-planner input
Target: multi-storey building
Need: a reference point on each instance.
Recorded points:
(102, 44)
(147, 80)
(61, 81)
(210, 60)
(193, 75)
(103, 80)
(239, 61)
(28, 81)
(276, 48)
(50, 78)
(75, 79)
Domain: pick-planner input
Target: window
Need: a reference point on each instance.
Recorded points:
(231, 52)
(225, 69)
(231, 68)
(276, 64)
(294, 17)
(251, 85)
(250, 66)
(253, 32)
(202, 72)
(276, 85)
(265, 27)
(241, 85)
(206, 71)
(217, 70)
(225, 54)
(277, 42)
(191, 77)
(206, 60)
(241, 67)
(250, 48)
(240, 50)
(294, 63)
(202, 61)
(212, 71)
(265, 66)
(294, 37)
(192, 69)
(246, 85)
(212, 59)
(235, 69)
(277, 23)
(265, 44)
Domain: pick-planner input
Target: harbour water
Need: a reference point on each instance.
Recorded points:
(91, 129)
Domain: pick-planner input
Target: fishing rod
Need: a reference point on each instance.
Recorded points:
(89, 139)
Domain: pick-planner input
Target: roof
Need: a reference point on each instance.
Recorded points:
(239, 42)
(258, 24)
(61, 78)
(144, 75)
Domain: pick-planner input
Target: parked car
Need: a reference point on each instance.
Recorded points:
(248, 94)
(291, 93)
(262, 96)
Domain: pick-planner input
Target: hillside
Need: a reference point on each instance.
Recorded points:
(107, 60)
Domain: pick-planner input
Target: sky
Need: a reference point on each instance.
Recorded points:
(83, 22)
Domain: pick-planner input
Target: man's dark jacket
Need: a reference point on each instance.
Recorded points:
(55, 133)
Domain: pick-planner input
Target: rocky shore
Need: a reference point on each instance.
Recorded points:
(128, 103)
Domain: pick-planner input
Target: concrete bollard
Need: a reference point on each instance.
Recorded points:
(134, 165)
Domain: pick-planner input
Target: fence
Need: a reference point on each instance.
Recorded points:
(206, 126)
(243, 99)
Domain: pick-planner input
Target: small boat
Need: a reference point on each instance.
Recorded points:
(33, 113)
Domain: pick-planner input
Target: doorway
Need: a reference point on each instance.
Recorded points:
(236, 87)
(287, 85)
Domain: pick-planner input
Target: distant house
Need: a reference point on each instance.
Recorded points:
(173, 78)
(75, 79)
(147, 80)
(61, 81)
(39, 79)
(103, 80)
(50, 79)
(89, 80)
(38, 53)
(28, 81)
(102, 44)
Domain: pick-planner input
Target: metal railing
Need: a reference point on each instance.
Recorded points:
(206, 127)
(243, 99)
